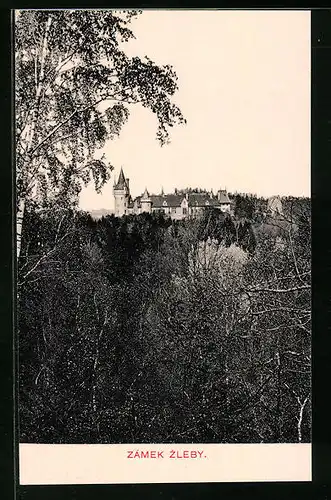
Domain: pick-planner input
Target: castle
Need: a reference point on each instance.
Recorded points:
(178, 205)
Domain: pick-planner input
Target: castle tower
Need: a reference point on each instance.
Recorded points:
(121, 193)
(146, 202)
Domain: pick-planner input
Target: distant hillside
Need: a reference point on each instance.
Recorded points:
(102, 212)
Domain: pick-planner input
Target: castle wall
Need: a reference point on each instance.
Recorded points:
(121, 203)
(146, 206)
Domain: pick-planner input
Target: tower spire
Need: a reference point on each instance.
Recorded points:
(145, 196)
(121, 193)
(122, 182)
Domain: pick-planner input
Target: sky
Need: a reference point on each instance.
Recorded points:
(244, 88)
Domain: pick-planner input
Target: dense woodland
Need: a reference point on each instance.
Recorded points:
(141, 329)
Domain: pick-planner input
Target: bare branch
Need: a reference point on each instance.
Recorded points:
(280, 290)
(50, 252)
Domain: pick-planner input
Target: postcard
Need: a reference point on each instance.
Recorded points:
(163, 245)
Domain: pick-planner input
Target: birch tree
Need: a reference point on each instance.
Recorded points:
(74, 89)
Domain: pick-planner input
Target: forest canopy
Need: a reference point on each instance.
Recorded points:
(143, 329)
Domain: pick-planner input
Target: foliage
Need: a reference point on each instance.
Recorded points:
(143, 329)
(74, 90)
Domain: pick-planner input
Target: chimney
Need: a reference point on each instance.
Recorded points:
(127, 183)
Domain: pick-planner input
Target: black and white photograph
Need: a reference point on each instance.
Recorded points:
(163, 226)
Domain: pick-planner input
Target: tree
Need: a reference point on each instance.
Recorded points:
(74, 86)
(280, 307)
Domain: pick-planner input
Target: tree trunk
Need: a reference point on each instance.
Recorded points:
(279, 398)
(300, 418)
(29, 133)
(19, 225)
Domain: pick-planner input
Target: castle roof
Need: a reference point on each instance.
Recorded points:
(223, 197)
(175, 200)
(130, 202)
(145, 196)
(201, 200)
(172, 200)
(158, 200)
(121, 183)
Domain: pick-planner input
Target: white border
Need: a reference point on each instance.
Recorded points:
(41, 464)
